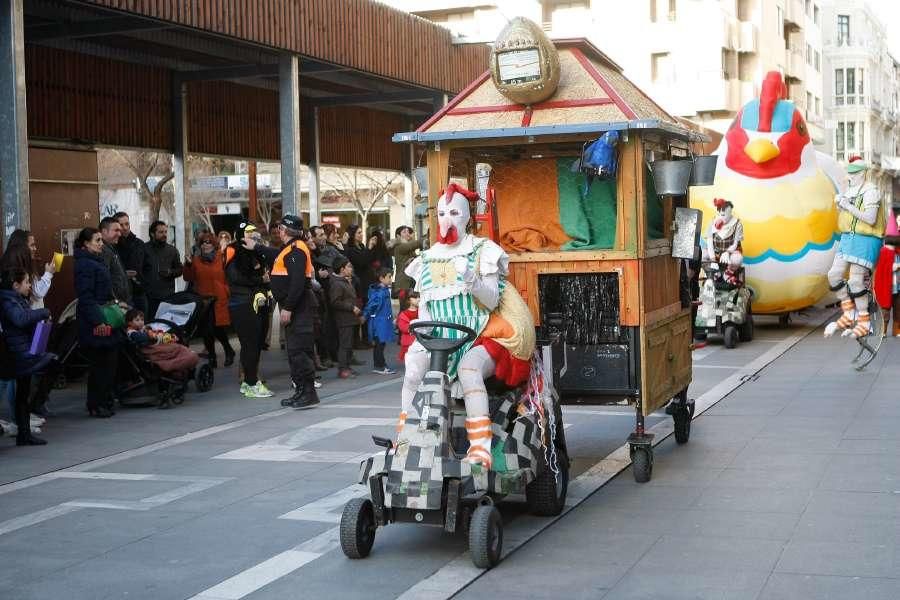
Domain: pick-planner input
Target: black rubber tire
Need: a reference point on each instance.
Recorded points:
(747, 327)
(357, 528)
(731, 336)
(642, 464)
(205, 379)
(544, 496)
(682, 420)
(486, 536)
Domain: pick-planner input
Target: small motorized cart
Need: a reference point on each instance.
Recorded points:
(590, 246)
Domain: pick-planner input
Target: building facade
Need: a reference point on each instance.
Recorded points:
(700, 59)
(862, 81)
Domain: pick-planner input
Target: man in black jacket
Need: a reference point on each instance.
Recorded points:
(131, 253)
(291, 280)
(163, 266)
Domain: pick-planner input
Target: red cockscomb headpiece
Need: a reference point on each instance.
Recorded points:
(719, 202)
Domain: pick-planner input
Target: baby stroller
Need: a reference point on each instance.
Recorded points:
(182, 314)
(64, 343)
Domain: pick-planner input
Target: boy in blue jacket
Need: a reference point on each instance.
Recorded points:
(379, 314)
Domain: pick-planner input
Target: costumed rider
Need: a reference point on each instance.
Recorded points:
(724, 244)
(861, 221)
(292, 275)
(461, 279)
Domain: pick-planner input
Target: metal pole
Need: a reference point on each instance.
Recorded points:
(315, 209)
(252, 200)
(13, 122)
(289, 130)
(180, 182)
(409, 201)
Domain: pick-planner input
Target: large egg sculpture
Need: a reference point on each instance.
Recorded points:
(524, 63)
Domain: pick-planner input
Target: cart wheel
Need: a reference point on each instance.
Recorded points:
(784, 320)
(546, 495)
(731, 336)
(485, 536)
(205, 378)
(642, 464)
(747, 328)
(61, 382)
(682, 419)
(358, 528)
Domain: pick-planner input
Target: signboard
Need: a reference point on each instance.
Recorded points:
(334, 220)
(228, 208)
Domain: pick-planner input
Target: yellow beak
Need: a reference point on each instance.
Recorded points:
(761, 150)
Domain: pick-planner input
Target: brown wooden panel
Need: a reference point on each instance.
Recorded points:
(666, 362)
(355, 33)
(661, 282)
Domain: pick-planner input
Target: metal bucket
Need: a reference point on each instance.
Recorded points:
(670, 177)
(704, 172)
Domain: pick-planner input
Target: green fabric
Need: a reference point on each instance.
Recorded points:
(591, 223)
(655, 229)
(113, 316)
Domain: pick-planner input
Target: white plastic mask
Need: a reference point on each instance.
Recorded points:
(856, 180)
(453, 216)
(726, 213)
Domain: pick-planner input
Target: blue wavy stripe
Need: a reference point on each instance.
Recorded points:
(774, 255)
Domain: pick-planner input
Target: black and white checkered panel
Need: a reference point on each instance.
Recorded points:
(415, 474)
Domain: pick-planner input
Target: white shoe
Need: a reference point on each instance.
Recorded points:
(830, 329)
(9, 429)
(37, 420)
(317, 384)
(258, 391)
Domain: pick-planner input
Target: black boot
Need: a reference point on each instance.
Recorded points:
(298, 395)
(29, 439)
(308, 396)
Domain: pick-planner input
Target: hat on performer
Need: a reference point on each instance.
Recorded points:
(856, 164)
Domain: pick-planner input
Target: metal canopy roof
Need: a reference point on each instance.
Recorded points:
(196, 56)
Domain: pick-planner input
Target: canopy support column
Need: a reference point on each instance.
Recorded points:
(289, 131)
(180, 182)
(13, 120)
(315, 208)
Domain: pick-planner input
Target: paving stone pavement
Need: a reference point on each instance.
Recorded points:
(789, 488)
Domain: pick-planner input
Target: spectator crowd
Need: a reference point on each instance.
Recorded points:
(328, 294)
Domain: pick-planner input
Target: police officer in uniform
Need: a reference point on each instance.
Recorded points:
(291, 281)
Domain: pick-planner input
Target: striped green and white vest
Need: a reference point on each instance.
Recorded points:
(459, 309)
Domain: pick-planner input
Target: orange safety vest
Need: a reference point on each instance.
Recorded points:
(278, 269)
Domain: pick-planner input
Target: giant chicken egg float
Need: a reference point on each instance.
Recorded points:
(524, 63)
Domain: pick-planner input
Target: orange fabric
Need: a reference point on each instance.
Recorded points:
(497, 327)
(528, 205)
(278, 268)
(209, 280)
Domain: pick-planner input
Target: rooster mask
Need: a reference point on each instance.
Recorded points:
(768, 137)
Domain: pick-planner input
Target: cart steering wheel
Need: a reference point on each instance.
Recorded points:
(440, 347)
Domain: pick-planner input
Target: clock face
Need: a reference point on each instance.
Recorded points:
(519, 66)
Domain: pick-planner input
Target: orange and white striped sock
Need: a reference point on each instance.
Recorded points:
(478, 430)
(846, 320)
(863, 325)
(401, 421)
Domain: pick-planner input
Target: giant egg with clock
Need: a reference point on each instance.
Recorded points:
(524, 63)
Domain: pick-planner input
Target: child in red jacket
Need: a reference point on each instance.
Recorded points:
(409, 311)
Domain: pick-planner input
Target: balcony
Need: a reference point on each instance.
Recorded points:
(793, 14)
(794, 65)
(748, 37)
(717, 94)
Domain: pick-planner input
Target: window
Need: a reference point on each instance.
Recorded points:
(838, 87)
(862, 136)
(815, 14)
(850, 78)
(672, 14)
(839, 137)
(843, 32)
(653, 11)
(807, 8)
(780, 23)
(661, 68)
(859, 79)
(809, 104)
(818, 107)
(851, 136)
(809, 55)
(818, 62)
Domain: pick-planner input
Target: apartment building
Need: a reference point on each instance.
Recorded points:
(862, 80)
(701, 59)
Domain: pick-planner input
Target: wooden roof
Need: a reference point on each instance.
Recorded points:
(593, 95)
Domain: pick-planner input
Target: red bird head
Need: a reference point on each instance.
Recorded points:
(767, 138)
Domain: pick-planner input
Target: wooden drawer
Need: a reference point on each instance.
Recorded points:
(666, 361)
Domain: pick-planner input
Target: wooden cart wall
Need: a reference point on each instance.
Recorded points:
(648, 275)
